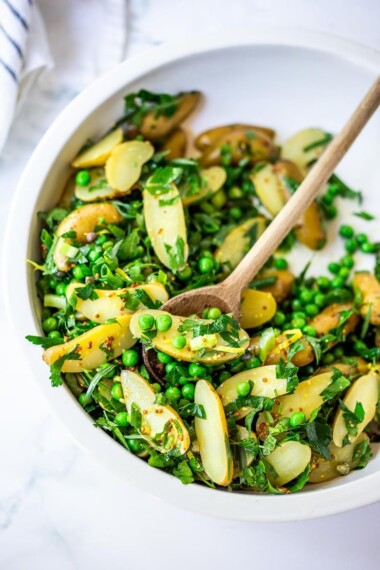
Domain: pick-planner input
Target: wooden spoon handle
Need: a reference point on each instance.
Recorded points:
(269, 241)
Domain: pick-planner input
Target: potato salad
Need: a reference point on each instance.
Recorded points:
(286, 397)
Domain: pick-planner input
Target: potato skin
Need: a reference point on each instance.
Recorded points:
(210, 137)
(282, 288)
(328, 319)
(356, 366)
(176, 144)
(301, 358)
(156, 128)
(369, 287)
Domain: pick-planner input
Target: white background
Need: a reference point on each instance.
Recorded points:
(58, 508)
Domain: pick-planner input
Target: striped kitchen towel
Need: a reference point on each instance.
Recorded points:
(24, 53)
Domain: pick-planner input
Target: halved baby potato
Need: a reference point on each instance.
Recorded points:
(123, 167)
(81, 221)
(94, 346)
(343, 460)
(110, 303)
(97, 189)
(264, 383)
(280, 351)
(364, 390)
(289, 460)
(239, 240)
(329, 318)
(257, 308)
(268, 188)
(305, 147)
(166, 227)
(175, 145)
(214, 178)
(210, 137)
(97, 154)
(282, 287)
(212, 435)
(216, 352)
(155, 127)
(158, 422)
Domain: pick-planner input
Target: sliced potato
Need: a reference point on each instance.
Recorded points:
(239, 240)
(281, 348)
(166, 227)
(269, 188)
(123, 167)
(98, 153)
(217, 353)
(311, 230)
(369, 287)
(289, 460)
(214, 178)
(264, 383)
(97, 189)
(253, 146)
(350, 366)
(283, 285)
(175, 145)
(155, 126)
(342, 462)
(212, 435)
(306, 398)
(82, 221)
(365, 390)
(212, 136)
(328, 319)
(111, 303)
(257, 308)
(93, 346)
(296, 147)
(157, 421)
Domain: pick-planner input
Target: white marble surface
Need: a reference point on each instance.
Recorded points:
(60, 509)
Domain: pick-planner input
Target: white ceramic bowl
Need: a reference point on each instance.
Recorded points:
(288, 80)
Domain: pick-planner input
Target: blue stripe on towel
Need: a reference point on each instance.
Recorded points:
(17, 14)
(8, 69)
(12, 41)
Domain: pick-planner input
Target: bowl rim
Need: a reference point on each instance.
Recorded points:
(218, 503)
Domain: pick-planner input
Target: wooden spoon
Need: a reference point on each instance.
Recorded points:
(227, 294)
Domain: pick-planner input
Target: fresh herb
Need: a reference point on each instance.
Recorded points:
(176, 254)
(319, 435)
(321, 142)
(352, 418)
(138, 105)
(135, 417)
(184, 473)
(86, 292)
(337, 385)
(56, 367)
(364, 216)
(44, 341)
(161, 182)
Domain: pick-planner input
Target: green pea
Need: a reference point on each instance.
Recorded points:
(179, 342)
(344, 272)
(328, 358)
(54, 334)
(49, 324)
(337, 282)
(308, 370)
(338, 352)
(328, 199)
(214, 313)
(130, 358)
(205, 314)
(333, 267)
(100, 240)
(82, 399)
(235, 193)
(52, 282)
(298, 323)
(61, 289)
(368, 247)
(156, 387)
(311, 310)
(298, 315)
(223, 376)
(280, 263)
(94, 255)
(309, 330)
(331, 211)
(173, 393)
(279, 318)
(109, 374)
(236, 213)
(348, 261)
(185, 274)
(83, 178)
(117, 391)
(219, 199)
(197, 370)
(243, 388)
(135, 445)
(346, 231)
(164, 323)
(81, 271)
(323, 282)
(164, 358)
(296, 304)
(169, 367)
(360, 346)
(205, 265)
(296, 419)
(188, 391)
(146, 322)
(351, 245)
(121, 419)
(253, 362)
(361, 238)
(320, 300)
(306, 295)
